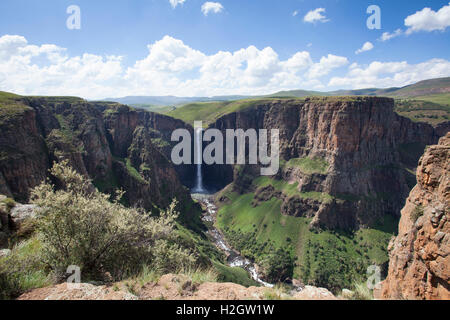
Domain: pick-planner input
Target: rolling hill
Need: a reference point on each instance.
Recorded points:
(426, 101)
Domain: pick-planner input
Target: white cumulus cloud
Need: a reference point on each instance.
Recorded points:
(366, 47)
(214, 7)
(428, 20)
(47, 69)
(175, 3)
(172, 67)
(316, 15)
(391, 74)
(326, 65)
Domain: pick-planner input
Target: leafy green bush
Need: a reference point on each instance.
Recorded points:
(80, 226)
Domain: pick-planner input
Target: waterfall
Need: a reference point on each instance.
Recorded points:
(199, 150)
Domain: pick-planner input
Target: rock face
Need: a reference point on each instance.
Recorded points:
(173, 287)
(82, 291)
(365, 144)
(114, 145)
(419, 265)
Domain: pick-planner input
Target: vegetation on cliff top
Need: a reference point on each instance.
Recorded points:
(10, 106)
(426, 101)
(425, 109)
(209, 112)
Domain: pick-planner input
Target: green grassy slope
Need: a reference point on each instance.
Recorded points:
(424, 88)
(330, 259)
(209, 112)
(424, 110)
(442, 99)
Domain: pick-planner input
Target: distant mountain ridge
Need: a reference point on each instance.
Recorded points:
(169, 100)
(437, 86)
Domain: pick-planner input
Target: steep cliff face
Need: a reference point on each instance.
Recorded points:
(122, 121)
(22, 151)
(361, 147)
(420, 255)
(116, 146)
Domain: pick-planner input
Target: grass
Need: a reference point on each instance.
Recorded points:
(265, 220)
(152, 108)
(147, 275)
(209, 112)
(23, 270)
(233, 274)
(309, 165)
(290, 189)
(429, 109)
(11, 105)
(199, 276)
(133, 172)
(362, 292)
(443, 98)
(272, 295)
(327, 258)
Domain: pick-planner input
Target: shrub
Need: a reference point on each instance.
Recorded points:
(278, 267)
(78, 225)
(361, 292)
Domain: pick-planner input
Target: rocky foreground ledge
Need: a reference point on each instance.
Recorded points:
(173, 287)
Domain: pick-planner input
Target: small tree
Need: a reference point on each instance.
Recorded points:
(80, 226)
(278, 266)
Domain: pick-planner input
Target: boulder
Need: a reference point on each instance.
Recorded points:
(347, 294)
(314, 293)
(21, 213)
(4, 253)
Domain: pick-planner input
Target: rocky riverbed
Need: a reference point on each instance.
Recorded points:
(234, 258)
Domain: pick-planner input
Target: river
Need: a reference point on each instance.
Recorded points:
(234, 259)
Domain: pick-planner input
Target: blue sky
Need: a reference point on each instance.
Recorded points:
(245, 47)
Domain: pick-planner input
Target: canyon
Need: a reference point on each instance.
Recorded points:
(368, 152)
(114, 145)
(346, 165)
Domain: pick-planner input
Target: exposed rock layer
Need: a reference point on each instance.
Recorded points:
(367, 145)
(173, 287)
(116, 146)
(419, 265)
